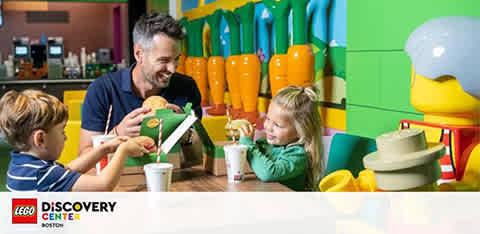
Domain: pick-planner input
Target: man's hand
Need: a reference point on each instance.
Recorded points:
(174, 107)
(130, 125)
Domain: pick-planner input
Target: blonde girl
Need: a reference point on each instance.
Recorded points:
(291, 151)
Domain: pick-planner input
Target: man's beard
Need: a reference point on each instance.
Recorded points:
(152, 79)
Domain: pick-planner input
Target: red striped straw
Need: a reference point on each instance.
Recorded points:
(230, 124)
(159, 151)
(108, 119)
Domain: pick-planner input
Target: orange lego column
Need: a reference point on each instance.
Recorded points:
(300, 55)
(249, 66)
(233, 63)
(216, 66)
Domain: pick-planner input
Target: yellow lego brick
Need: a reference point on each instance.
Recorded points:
(333, 118)
(74, 99)
(262, 104)
(226, 99)
(70, 151)
(75, 110)
(74, 95)
(215, 126)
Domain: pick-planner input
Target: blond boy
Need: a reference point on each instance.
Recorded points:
(33, 122)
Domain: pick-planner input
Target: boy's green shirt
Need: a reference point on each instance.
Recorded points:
(284, 164)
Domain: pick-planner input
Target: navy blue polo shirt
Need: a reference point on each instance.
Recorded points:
(116, 89)
(29, 173)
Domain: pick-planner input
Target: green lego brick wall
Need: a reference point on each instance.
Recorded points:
(372, 122)
(378, 70)
(380, 80)
(386, 24)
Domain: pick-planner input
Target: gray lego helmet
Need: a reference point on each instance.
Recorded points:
(448, 46)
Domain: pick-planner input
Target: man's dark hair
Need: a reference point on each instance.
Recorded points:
(153, 23)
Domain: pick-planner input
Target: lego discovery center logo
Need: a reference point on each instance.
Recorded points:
(24, 210)
(54, 214)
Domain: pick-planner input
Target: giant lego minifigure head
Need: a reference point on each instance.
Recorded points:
(445, 82)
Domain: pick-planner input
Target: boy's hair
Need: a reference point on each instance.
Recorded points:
(151, 24)
(21, 113)
(301, 106)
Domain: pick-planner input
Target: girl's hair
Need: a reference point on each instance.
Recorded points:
(301, 106)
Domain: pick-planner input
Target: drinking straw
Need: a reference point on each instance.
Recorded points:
(104, 161)
(108, 119)
(159, 151)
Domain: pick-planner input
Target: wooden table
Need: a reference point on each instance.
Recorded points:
(198, 180)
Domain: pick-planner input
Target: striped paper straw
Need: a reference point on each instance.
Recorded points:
(230, 124)
(159, 151)
(108, 119)
(104, 161)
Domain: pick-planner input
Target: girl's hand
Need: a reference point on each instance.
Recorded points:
(112, 145)
(247, 130)
(138, 146)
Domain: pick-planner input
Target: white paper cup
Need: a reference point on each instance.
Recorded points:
(235, 160)
(97, 141)
(158, 176)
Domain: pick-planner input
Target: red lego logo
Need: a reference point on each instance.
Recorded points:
(24, 210)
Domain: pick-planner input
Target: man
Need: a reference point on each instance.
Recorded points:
(156, 49)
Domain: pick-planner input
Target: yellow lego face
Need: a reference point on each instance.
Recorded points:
(442, 95)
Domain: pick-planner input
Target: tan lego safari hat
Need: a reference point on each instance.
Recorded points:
(404, 160)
